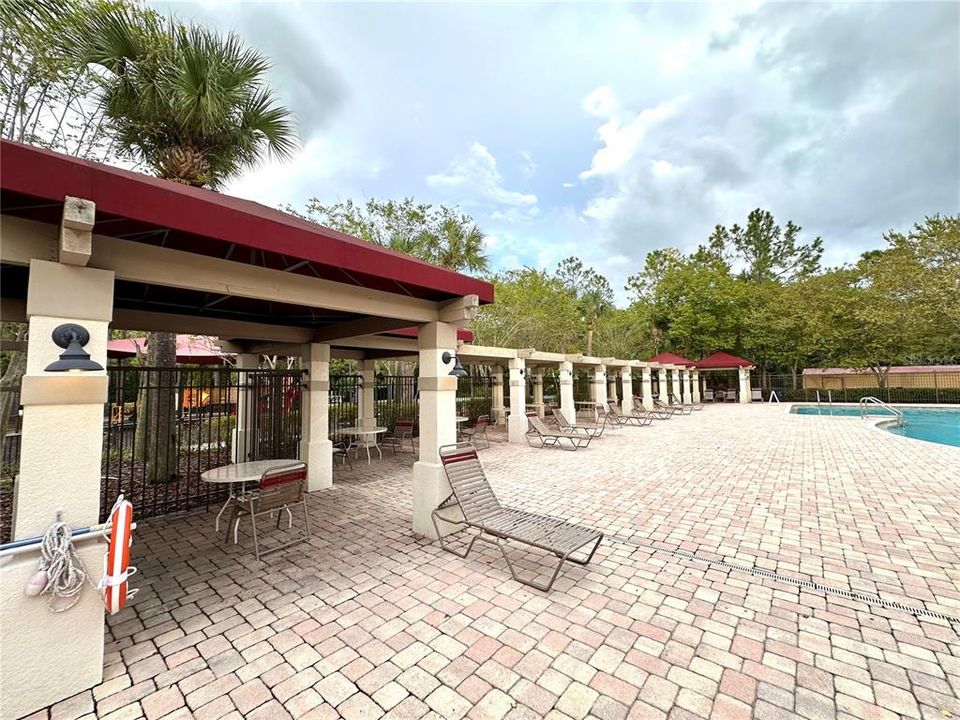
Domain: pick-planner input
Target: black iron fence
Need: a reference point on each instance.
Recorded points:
(345, 401)
(163, 427)
(893, 387)
(9, 460)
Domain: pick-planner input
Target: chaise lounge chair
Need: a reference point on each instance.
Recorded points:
(565, 426)
(692, 405)
(538, 432)
(471, 492)
(663, 407)
(655, 414)
(623, 419)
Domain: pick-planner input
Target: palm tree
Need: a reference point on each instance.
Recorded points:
(183, 100)
(458, 244)
(193, 106)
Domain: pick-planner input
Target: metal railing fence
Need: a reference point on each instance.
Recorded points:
(934, 387)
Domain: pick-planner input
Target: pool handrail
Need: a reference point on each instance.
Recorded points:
(866, 402)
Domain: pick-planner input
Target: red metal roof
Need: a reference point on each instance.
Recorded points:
(895, 369)
(666, 358)
(192, 349)
(133, 205)
(722, 361)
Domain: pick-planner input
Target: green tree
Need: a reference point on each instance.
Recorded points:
(768, 252)
(590, 289)
(533, 309)
(438, 234)
(193, 106)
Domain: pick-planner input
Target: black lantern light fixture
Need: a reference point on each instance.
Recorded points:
(458, 370)
(72, 338)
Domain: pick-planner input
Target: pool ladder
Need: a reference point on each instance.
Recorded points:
(866, 402)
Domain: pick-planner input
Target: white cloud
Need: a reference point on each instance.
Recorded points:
(622, 135)
(529, 166)
(600, 102)
(474, 177)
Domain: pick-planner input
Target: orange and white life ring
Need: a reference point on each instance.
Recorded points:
(117, 568)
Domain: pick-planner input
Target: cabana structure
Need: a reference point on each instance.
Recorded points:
(86, 244)
(723, 361)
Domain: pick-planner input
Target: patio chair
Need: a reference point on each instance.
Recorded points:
(622, 418)
(688, 407)
(564, 425)
(655, 414)
(730, 395)
(664, 408)
(708, 395)
(402, 432)
(340, 448)
(537, 432)
(756, 395)
(280, 490)
(472, 494)
(478, 431)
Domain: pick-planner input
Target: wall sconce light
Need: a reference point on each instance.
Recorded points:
(74, 358)
(523, 371)
(458, 370)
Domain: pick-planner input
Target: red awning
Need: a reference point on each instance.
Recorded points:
(147, 209)
(191, 349)
(666, 358)
(722, 361)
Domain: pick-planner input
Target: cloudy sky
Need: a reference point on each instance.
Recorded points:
(605, 131)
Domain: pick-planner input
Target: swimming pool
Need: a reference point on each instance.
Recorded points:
(939, 425)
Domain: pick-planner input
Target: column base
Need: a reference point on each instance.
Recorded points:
(517, 428)
(319, 459)
(430, 488)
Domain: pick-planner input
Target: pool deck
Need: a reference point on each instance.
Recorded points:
(735, 537)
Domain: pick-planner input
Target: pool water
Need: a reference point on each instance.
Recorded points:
(939, 425)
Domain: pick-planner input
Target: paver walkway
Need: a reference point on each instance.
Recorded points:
(368, 620)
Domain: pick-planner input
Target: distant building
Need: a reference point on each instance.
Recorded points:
(899, 376)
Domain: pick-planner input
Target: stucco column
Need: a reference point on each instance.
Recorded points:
(663, 378)
(242, 446)
(611, 387)
(567, 405)
(600, 385)
(438, 410)
(517, 422)
(368, 412)
(675, 387)
(316, 449)
(689, 388)
(647, 388)
(499, 413)
(696, 386)
(44, 656)
(538, 390)
(745, 395)
(626, 389)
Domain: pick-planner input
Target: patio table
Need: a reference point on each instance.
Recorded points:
(358, 433)
(240, 473)
(590, 405)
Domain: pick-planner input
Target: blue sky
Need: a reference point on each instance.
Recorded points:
(607, 130)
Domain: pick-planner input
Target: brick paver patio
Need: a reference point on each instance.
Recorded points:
(368, 621)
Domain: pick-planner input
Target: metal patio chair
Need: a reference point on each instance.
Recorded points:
(692, 405)
(402, 432)
(472, 494)
(565, 426)
(477, 432)
(340, 448)
(654, 414)
(670, 410)
(623, 419)
(537, 432)
(280, 490)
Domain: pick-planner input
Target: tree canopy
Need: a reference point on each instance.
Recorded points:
(435, 233)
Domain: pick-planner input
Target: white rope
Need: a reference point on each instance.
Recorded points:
(64, 569)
